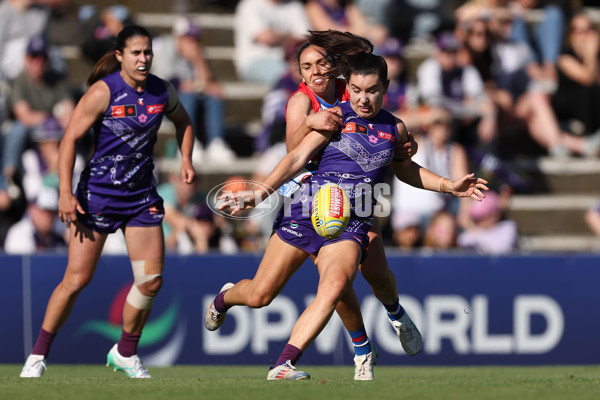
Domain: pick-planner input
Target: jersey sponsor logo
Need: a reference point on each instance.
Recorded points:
(154, 210)
(293, 232)
(141, 101)
(155, 108)
(128, 110)
(354, 127)
(121, 97)
(386, 136)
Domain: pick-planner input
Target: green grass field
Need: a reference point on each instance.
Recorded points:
(70, 382)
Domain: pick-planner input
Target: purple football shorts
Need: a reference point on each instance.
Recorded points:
(297, 230)
(108, 219)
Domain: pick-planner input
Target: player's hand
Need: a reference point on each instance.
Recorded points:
(68, 206)
(468, 186)
(329, 119)
(408, 149)
(188, 174)
(235, 202)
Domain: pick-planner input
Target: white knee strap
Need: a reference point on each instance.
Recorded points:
(143, 271)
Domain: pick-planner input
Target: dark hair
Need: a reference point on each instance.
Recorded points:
(366, 64)
(109, 63)
(339, 46)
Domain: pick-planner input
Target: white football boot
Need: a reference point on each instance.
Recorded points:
(286, 371)
(213, 319)
(409, 335)
(34, 366)
(132, 366)
(363, 365)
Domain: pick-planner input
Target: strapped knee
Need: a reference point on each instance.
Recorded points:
(143, 271)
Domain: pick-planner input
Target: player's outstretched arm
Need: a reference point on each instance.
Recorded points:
(289, 166)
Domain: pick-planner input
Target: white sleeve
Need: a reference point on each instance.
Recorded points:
(19, 238)
(472, 83)
(429, 83)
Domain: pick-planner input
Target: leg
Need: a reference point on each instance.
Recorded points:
(280, 261)
(375, 268)
(85, 247)
(15, 142)
(146, 249)
(378, 274)
(214, 115)
(337, 264)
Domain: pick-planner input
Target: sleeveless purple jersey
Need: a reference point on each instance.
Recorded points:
(120, 173)
(358, 156)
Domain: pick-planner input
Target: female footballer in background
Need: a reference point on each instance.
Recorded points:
(337, 260)
(124, 105)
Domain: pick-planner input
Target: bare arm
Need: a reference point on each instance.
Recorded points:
(413, 174)
(289, 166)
(88, 110)
(184, 133)
(300, 120)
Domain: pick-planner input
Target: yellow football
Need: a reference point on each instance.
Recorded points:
(330, 211)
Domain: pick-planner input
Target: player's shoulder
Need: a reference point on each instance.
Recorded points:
(299, 101)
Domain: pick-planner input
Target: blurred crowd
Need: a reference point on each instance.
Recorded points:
(477, 82)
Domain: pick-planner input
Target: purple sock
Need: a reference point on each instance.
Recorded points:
(219, 302)
(43, 343)
(291, 353)
(128, 343)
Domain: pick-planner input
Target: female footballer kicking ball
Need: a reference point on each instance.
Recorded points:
(124, 105)
(272, 275)
(363, 149)
(320, 61)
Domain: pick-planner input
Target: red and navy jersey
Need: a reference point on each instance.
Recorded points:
(340, 90)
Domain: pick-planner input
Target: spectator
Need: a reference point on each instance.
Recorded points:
(100, 29)
(417, 21)
(274, 104)
(40, 162)
(345, 16)
(180, 200)
(20, 20)
(39, 229)
(592, 218)
(438, 153)
(578, 94)
(261, 29)
(395, 98)
(443, 82)
(36, 95)
(441, 232)
(180, 59)
(407, 230)
(545, 36)
(492, 234)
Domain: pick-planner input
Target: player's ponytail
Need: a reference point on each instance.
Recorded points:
(109, 63)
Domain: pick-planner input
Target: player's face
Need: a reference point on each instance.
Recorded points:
(136, 59)
(366, 94)
(313, 69)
